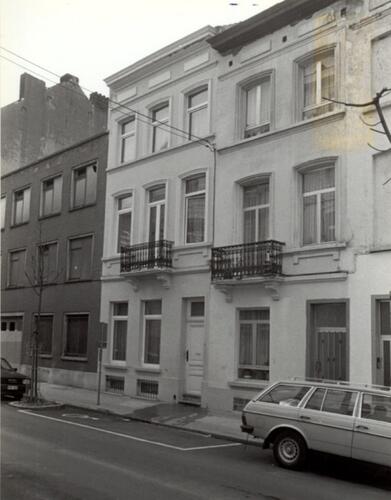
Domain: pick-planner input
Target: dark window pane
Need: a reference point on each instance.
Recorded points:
(152, 341)
(316, 400)
(45, 330)
(195, 184)
(120, 309)
(76, 336)
(197, 308)
(254, 314)
(341, 402)
(119, 340)
(153, 307)
(285, 395)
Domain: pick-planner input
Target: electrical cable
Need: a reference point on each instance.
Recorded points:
(172, 128)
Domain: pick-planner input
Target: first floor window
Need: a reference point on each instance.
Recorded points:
(195, 197)
(254, 344)
(124, 228)
(160, 131)
(128, 140)
(80, 258)
(197, 111)
(120, 328)
(256, 211)
(319, 206)
(76, 334)
(47, 262)
(17, 263)
(152, 327)
(45, 332)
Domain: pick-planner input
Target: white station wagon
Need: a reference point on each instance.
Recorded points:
(342, 418)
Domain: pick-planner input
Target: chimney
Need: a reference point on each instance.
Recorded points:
(30, 86)
(68, 78)
(99, 100)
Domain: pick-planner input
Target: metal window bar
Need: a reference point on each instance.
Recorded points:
(145, 256)
(115, 384)
(147, 389)
(262, 258)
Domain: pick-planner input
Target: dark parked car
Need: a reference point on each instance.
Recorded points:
(12, 383)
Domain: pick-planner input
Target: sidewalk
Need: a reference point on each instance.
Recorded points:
(218, 424)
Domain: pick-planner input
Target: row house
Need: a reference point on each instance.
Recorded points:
(247, 233)
(52, 210)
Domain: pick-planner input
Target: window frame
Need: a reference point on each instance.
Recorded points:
(158, 204)
(49, 243)
(253, 322)
(79, 237)
(24, 210)
(73, 357)
(123, 136)
(10, 252)
(118, 213)
(165, 103)
(41, 204)
(195, 194)
(94, 165)
(46, 315)
(189, 110)
(244, 87)
(300, 64)
(113, 319)
(147, 317)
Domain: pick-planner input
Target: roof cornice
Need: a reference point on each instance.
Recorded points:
(266, 22)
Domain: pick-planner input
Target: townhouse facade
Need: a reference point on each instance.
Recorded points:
(52, 213)
(247, 233)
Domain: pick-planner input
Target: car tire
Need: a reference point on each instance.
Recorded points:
(290, 450)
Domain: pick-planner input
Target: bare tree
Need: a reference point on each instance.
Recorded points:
(382, 123)
(39, 279)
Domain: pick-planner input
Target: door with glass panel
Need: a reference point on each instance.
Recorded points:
(156, 226)
(383, 337)
(194, 354)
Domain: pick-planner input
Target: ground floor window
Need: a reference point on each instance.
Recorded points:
(383, 342)
(254, 344)
(152, 327)
(119, 330)
(45, 333)
(76, 334)
(328, 341)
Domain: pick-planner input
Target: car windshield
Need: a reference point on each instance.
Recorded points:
(5, 365)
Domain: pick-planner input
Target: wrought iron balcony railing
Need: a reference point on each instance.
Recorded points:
(262, 258)
(146, 256)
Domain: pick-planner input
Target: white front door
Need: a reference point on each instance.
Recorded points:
(194, 355)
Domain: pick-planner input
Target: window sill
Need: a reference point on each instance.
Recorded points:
(67, 282)
(248, 384)
(49, 216)
(147, 369)
(74, 209)
(190, 246)
(316, 248)
(74, 358)
(19, 224)
(113, 366)
(46, 356)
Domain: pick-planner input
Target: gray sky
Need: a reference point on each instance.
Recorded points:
(94, 38)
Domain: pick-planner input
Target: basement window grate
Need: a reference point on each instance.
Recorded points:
(147, 389)
(239, 404)
(115, 384)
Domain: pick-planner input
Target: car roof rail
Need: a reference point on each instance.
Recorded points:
(342, 382)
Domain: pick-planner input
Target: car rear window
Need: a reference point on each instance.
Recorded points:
(285, 395)
(376, 407)
(332, 401)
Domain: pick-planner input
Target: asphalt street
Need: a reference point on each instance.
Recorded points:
(72, 454)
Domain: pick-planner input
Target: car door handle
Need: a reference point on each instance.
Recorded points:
(304, 417)
(362, 427)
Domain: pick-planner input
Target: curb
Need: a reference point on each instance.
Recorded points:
(217, 435)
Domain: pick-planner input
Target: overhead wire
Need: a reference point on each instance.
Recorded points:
(172, 129)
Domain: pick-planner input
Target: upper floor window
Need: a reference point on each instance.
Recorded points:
(318, 82)
(195, 198)
(157, 209)
(160, 132)
(319, 205)
(124, 223)
(47, 262)
(2, 211)
(128, 140)
(257, 106)
(80, 258)
(256, 208)
(16, 270)
(51, 196)
(84, 185)
(21, 206)
(197, 113)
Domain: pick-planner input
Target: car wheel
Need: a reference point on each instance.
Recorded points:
(290, 450)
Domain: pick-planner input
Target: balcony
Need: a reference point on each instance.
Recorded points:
(262, 258)
(149, 256)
